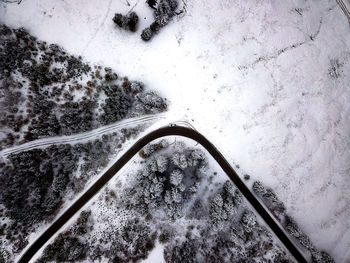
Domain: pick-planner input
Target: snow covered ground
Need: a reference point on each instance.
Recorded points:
(266, 81)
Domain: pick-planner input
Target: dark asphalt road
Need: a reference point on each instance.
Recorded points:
(165, 131)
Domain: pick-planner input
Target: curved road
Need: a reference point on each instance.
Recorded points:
(162, 132)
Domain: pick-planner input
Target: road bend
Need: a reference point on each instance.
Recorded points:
(134, 149)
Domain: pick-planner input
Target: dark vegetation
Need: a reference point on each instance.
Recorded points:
(278, 209)
(128, 22)
(164, 11)
(69, 246)
(152, 3)
(4, 254)
(35, 183)
(46, 92)
(171, 187)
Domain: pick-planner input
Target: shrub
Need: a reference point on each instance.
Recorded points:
(132, 242)
(132, 21)
(33, 186)
(185, 252)
(146, 34)
(321, 257)
(118, 19)
(128, 22)
(64, 248)
(115, 108)
(4, 255)
(165, 11)
(152, 3)
(155, 27)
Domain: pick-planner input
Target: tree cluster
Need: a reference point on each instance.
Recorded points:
(77, 117)
(216, 225)
(167, 182)
(42, 91)
(34, 184)
(66, 248)
(70, 245)
(277, 208)
(224, 205)
(165, 10)
(132, 242)
(4, 255)
(127, 22)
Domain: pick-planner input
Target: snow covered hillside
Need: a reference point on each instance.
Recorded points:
(266, 81)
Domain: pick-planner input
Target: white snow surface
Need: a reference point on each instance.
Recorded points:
(156, 255)
(256, 77)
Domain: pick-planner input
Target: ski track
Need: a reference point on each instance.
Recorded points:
(76, 138)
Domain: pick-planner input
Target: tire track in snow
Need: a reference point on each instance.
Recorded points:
(345, 8)
(75, 138)
(99, 27)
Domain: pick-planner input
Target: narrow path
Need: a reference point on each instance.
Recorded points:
(112, 171)
(76, 138)
(97, 30)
